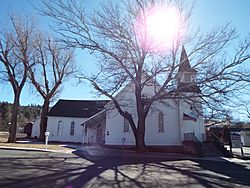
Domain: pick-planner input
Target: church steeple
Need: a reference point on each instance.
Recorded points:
(184, 65)
(186, 74)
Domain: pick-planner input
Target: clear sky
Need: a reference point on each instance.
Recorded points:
(207, 13)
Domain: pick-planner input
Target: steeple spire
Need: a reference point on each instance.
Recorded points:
(184, 65)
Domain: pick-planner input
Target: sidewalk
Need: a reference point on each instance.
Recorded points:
(237, 152)
(246, 152)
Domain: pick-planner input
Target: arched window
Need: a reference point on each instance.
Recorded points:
(160, 122)
(125, 125)
(60, 128)
(72, 128)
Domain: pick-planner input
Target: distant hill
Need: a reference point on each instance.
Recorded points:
(26, 114)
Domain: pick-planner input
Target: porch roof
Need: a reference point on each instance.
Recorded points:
(95, 118)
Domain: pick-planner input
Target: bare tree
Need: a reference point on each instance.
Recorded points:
(248, 111)
(51, 65)
(245, 109)
(127, 55)
(15, 52)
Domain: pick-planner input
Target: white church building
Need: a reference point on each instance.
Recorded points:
(168, 123)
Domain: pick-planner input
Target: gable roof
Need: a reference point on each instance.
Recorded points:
(77, 108)
(184, 65)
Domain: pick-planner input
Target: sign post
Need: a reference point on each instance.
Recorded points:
(236, 142)
(46, 138)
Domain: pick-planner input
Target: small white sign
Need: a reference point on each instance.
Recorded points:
(235, 140)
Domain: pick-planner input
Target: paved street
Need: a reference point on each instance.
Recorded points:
(47, 169)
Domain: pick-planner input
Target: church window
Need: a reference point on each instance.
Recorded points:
(60, 128)
(160, 122)
(72, 128)
(125, 125)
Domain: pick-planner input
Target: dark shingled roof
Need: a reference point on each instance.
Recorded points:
(77, 108)
(184, 62)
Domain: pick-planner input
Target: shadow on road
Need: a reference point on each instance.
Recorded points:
(85, 170)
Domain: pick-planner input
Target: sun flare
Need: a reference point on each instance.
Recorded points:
(157, 28)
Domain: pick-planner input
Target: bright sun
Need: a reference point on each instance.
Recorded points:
(158, 28)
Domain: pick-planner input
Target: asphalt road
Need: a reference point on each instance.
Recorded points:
(45, 169)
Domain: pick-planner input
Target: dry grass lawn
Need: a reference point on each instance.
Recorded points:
(4, 138)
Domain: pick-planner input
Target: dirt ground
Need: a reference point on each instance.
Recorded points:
(21, 141)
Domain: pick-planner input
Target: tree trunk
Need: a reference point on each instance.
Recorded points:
(13, 125)
(140, 135)
(43, 122)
